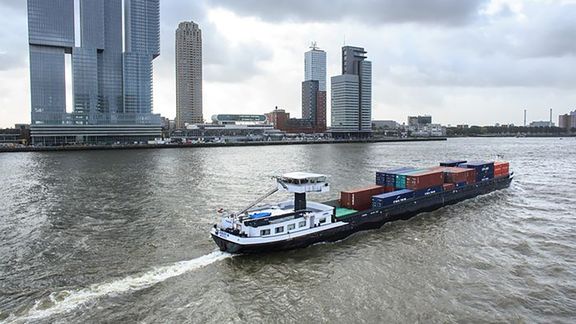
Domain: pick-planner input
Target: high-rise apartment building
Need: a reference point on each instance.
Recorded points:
(567, 121)
(352, 95)
(111, 88)
(314, 88)
(188, 74)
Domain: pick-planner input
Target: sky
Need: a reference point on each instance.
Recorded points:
(476, 62)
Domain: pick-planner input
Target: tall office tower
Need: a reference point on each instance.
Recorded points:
(112, 94)
(188, 74)
(142, 37)
(51, 37)
(314, 88)
(352, 95)
(97, 63)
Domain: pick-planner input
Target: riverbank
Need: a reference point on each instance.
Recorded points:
(174, 146)
(513, 135)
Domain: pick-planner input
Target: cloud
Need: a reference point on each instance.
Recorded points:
(434, 12)
(223, 60)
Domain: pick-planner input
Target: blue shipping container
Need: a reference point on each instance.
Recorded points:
(484, 170)
(388, 177)
(428, 191)
(391, 198)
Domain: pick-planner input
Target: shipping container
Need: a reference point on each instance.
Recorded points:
(452, 163)
(428, 191)
(360, 199)
(390, 198)
(388, 177)
(456, 175)
(400, 182)
(501, 169)
(484, 170)
(423, 180)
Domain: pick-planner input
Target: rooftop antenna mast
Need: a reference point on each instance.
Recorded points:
(314, 45)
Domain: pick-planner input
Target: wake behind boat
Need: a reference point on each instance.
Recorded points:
(399, 194)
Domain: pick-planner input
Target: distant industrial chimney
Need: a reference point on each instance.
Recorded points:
(524, 117)
(550, 116)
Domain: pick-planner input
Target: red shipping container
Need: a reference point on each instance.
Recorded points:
(360, 199)
(501, 169)
(448, 186)
(458, 175)
(424, 180)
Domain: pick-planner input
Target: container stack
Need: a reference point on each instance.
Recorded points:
(501, 169)
(402, 178)
(484, 170)
(360, 199)
(398, 185)
(391, 198)
(387, 178)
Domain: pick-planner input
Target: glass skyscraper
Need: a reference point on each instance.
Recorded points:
(111, 87)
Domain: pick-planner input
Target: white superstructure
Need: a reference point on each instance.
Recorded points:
(284, 220)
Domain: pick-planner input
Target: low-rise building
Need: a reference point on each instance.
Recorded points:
(541, 124)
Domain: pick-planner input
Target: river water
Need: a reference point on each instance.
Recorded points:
(122, 236)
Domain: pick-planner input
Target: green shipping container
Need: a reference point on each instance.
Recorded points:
(401, 178)
(341, 212)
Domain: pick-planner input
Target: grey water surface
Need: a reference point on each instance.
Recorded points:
(122, 236)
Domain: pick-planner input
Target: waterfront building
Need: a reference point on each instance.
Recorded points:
(541, 124)
(278, 118)
(188, 74)
(352, 95)
(385, 124)
(567, 121)
(313, 92)
(112, 88)
(417, 121)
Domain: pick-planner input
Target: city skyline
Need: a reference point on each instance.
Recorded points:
(457, 64)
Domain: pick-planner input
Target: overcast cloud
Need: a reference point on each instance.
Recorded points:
(474, 62)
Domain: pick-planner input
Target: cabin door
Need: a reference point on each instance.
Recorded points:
(311, 221)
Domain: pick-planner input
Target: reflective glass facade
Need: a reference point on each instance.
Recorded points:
(142, 18)
(48, 85)
(51, 23)
(109, 86)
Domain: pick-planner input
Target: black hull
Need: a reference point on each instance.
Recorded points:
(372, 218)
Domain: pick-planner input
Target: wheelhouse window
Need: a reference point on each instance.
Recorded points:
(291, 226)
(264, 232)
(322, 220)
(279, 229)
(302, 224)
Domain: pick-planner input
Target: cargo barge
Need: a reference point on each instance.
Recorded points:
(397, 195)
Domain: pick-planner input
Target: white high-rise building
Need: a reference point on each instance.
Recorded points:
(188, 74)
(314, 88)
(315, 66)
